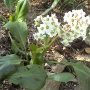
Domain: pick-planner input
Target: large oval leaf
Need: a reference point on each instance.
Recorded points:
(62, 77)
(83, 74)
(32, 77)
(8, 65)
(18, 30)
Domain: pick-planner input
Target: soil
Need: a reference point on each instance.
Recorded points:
(78, 48)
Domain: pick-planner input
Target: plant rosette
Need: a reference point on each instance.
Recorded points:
(32, 75)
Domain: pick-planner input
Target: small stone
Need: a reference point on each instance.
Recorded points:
(53, 68)
(75, 85)
(47, 65)
(87, 50)
(87, 41)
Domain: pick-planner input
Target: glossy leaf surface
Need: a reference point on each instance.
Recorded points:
(21, 10)
(8, 65)
(83, 74)
(32, 77)
(62, 77)
(18, 30)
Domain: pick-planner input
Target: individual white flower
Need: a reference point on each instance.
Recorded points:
(36, 36)
(49, 28)
(54, 16)
(39, 36)
(56, 22)
(46, 20)
(42, 28)
(67, 16)
(53, 32)
(37, 20)
(71, 21)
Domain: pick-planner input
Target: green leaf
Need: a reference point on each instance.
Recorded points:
(46, 40)
(39, 59)
(62, 77)
(8, 65)
(21, 10)
(32, 47)
(18, 30)
(12, 18)
(83, 74)
(3, 18)
(41, 49)
(9, 3)
(14, 47)
(52, 6)
(32, 77)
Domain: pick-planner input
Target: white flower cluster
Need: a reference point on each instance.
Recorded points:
(48, 25)
(76, 26)
(76, 23)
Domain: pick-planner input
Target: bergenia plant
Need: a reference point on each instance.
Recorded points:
(75, 25)
(29, 72)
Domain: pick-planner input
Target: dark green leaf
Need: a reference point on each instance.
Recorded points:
(14, 47)
(83, 74)
(40, 49)
(8, 65)
(46, 40)
(32, 47)
(32, 77)
(21, 9)
(18, 30)
(62, 77)
(9, 3)
(39, 59)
